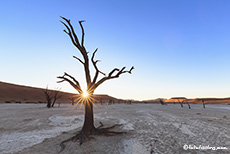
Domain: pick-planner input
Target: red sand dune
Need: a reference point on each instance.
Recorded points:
(200, 100)
(16, 93)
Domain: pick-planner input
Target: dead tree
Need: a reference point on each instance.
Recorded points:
(185, 101)
(101, 102)
(72, 100)
(49, 97)
(203, 104)
(92, 84)
(181, 103)
(110, 102)
(162, 102)
(188, 105)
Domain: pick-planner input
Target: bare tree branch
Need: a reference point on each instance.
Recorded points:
(83, 33)
(76, 82)
(92, 85)
(76, 85)
(96, 68)
(115, 69)
(80, 47)
(70, 35)
(71, 31)
(130, 71)
(111, 76)
(79, 59)
(48, 96)
(56, 96)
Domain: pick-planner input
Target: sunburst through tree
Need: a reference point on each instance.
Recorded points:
(92, 83)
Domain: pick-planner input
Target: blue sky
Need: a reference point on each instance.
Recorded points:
(178, 48)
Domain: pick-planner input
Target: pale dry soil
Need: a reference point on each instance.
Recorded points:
(151, 128)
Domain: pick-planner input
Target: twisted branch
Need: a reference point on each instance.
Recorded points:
(91, 85)
(96, 68)
(83, 33)
(80, 47)
(79, 60)
(74, 84)
(112, 75)
(71, 32)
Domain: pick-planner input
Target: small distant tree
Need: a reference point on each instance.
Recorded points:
(72, 100)
(203, 104)
(101, 101)
(92, 84)
(51, 97)
(48, 96)
(188, 105)
(185, 101)
(162, 102)
(181, 103)
(110, 102)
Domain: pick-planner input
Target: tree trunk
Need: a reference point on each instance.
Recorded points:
(189, 105)
(48, 104)
(88, 126)
(53, 103)
(181, 104)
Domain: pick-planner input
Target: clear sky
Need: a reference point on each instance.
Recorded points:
(178, 47)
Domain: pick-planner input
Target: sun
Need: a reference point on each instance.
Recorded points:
(85, 94)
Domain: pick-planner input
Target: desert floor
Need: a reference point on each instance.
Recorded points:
(151, 128)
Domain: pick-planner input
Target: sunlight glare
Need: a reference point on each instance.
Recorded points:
(85, 94)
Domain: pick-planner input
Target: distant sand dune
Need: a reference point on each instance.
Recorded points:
(15, 93)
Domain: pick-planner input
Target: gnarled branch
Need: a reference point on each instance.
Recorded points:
(74, 84)
(70, 35)
(80, 47)
(112, 76)
(83, 33)
(96, 68)
(114, 70)
(71, 32)
(91, 85)
(79, 60)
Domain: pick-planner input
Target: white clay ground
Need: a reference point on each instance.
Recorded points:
(151, 128)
